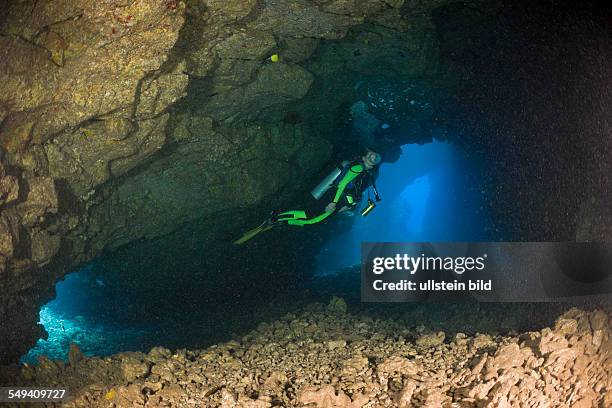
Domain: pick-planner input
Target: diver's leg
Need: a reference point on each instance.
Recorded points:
(291, 215)
(350, 204)
(308, 221)
(299, 218)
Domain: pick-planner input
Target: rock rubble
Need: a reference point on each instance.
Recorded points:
(289, 362)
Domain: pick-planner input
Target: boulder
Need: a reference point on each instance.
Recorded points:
(431, 339)
(9, 189)
(337, 305)
(43, 246)
(133, 367)
(40, 201)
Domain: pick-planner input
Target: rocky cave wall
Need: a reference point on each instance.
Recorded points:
(124, 121)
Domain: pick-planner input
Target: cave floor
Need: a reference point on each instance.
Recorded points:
(329, 355)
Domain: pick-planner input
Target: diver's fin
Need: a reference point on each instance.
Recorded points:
(268, 224)
(252, 233)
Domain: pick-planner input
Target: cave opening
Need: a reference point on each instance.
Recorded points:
(434, 192)
(84, 312)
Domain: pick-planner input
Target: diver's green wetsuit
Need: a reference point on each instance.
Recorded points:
(299, 217)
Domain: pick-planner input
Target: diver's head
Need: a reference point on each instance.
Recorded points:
(371, 159)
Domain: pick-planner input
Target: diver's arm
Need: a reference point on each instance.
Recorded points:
(350, 176)
(331, 207)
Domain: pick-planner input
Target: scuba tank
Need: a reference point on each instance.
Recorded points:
(328, 181)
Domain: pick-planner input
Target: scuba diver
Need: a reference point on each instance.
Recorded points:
(350, 179)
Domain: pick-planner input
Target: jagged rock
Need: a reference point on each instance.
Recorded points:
(147, 140)
(336, 344)
(159, 92)
(258, 168)
(126, 396)
(94, 68)
(337, 305)
(263, 369)
(245, 402)
(599, 320)
(164, 370)
(240, 57)
(81, 157)
(506, 357)
(91, 155)
(434, 398)
(274, 84)
(246, 44)
(560, 356)
(41, 200)
(6, 238)
(300, 18)
(48, 369)
(43, 246)
(3, 112)
(480, 364)
(56, 46)
(133, 367)
(327, 397)
(9, 189)
(397, 365)
(157, 354)
(431, 340)
(481, 341)
(566, 326)
(405, 396)
(548, 341)
(461, 339)
(274, 381)
(74, 354)
(354, 367)
(229, 10)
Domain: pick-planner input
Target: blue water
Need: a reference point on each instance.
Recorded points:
(75, 316)
(433, 193)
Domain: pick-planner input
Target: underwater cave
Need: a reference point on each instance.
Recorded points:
(151, 151)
